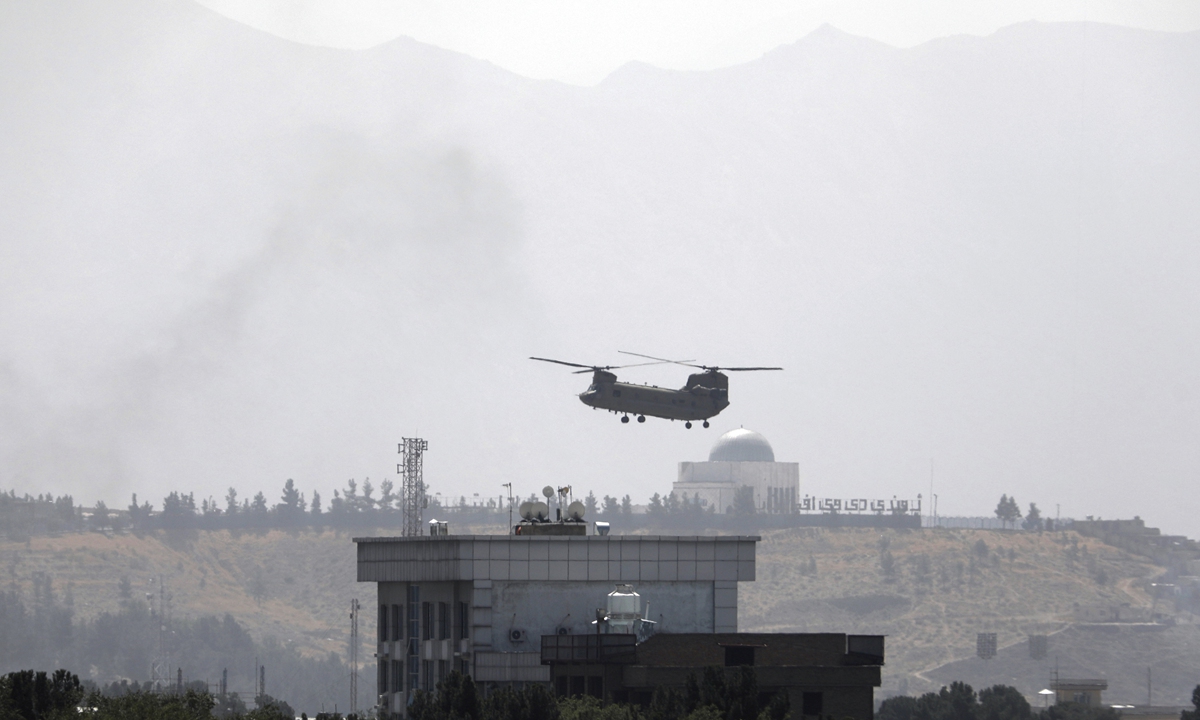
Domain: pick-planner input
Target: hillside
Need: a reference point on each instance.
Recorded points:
(945, 587)
(294, 587)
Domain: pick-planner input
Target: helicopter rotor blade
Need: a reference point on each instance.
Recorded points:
(615, 367)
(661, 360)
(743, 369)
(563, 362)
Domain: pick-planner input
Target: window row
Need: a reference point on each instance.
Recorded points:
(392, 678)
(426, 621)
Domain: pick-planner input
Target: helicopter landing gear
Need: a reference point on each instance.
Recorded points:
(688, 425)
(624, 418)
(705, 423)
(641, 418)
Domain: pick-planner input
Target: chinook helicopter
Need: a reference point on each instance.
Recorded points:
(705, 394)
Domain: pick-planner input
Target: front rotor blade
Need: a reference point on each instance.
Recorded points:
(562, 362)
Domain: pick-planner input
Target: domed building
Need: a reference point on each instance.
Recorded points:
(740, 458)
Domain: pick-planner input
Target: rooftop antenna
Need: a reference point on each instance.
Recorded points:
(510, 503)
(412, 484)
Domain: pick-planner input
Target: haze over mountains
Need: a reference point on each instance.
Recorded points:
(228, 259)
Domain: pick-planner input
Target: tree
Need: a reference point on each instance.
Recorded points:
(1007, 510)
(231, 502)
(291, 496)
(1033, 519)
(590, 505)
(887, 564)
(1002, 702)
(743, 500)
(350, 496)
(386, 495)
(368, 502)
(671, 504)
(100, 515)
(260, 503)
(655, 507)
(611, 507)
(626, 506)
(315, 508)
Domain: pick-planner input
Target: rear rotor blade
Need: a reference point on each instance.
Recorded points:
(742, 369)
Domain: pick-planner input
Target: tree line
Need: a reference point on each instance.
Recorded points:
(714, 696)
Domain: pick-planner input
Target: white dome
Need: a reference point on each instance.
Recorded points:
(741, 445)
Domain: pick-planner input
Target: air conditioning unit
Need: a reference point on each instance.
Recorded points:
(516, 635)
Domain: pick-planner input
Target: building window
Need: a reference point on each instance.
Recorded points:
(397, 622)
(383, 623)
(443, 669)
(397, 675)
(464, 667)
(443, 621)
(464, 621)
(812, 703)
(427, 670)
(736, 655)
(414, 633)
(383, 676)
(426, 621)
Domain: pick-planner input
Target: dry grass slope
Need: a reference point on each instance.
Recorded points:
(944, 588)
(293, 586)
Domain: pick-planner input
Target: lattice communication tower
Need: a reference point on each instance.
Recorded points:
(412, 484)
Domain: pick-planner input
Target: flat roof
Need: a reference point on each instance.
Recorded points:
(564, 538)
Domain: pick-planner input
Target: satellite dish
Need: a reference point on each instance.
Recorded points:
(548, 491)
(526, 510)
(541, 511)
(576, 510)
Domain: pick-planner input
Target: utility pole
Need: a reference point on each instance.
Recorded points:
(510, 505)
(354, 657)
(160, 667)
(931, 491)
(412, 484)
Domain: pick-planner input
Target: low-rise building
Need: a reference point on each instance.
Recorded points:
(492, 606)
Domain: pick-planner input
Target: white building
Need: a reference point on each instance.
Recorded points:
(740, 458)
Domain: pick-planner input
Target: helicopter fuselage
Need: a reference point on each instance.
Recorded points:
(705, 395)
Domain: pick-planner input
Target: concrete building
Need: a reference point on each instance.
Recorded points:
(1082, 691)
(741, 458)
(480, 604)
(824, 674)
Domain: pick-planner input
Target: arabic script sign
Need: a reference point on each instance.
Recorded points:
(859, 505)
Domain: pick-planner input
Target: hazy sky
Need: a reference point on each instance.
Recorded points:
(230, 259)
(584, 41)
